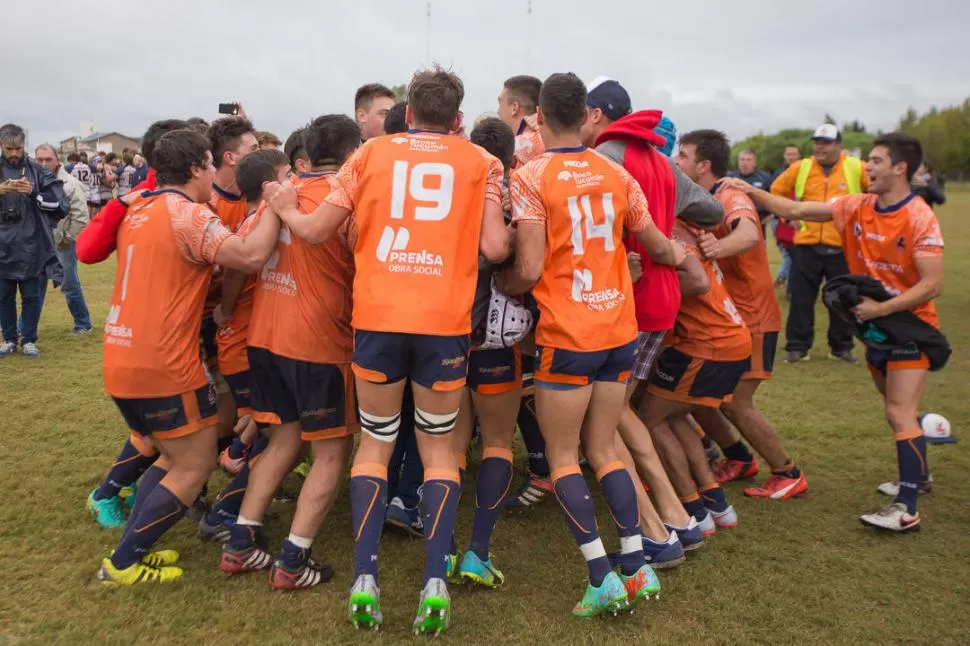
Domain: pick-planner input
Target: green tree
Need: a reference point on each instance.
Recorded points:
(400, 92)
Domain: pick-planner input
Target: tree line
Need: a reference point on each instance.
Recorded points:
(944, 133)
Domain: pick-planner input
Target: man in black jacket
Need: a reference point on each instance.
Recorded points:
(892, 236)
(32, 200)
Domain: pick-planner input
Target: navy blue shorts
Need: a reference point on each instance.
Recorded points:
(907, 357)
(495, 372)
(565, 369)
(701, 382)
(320, 396)
(436, 362)
(168, 418)
(240, 385)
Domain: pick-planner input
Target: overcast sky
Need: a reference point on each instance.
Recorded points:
(740, 66)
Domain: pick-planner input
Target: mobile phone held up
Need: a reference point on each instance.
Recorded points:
(229, 108)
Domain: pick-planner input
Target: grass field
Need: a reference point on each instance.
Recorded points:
(798, 572)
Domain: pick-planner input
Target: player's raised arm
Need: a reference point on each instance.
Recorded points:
(692, 277)
(315, 227)
(639, 222)
(782, 206)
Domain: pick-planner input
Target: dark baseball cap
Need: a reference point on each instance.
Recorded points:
(609, 96)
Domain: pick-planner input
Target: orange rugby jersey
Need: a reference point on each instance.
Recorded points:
(748, 276)
(584, 201)
(232, 210)
(528, 143)
(418, 199)
(708, 326)
(302, 304)
(232, 337)
(883, 243)
(166, 245)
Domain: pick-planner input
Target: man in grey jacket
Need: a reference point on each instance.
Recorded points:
(65, 239)
(32, 201)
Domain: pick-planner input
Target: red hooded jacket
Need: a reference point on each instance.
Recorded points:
(98, 240)
(657, 293)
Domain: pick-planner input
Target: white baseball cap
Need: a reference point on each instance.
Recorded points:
(828, 132)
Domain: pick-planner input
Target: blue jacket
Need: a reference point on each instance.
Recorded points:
(27, 221)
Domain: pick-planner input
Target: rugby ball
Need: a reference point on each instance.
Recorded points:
(936, 428)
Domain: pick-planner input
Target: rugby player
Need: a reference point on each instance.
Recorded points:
(570, 206)
(738, 247)
(169, 241)
(517, 104)
(894, 237)
(371, 105)
(416, 261)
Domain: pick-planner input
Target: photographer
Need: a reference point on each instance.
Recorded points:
(31, 202)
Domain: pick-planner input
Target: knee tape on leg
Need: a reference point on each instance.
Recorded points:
(380, 428)
(434, 424)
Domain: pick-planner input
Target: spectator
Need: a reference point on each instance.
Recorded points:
(817, 253)
(267, 140)
(31, 202)
(141, 169)
(791, 155)
(927, 187)
(749, 172)
(65, 240)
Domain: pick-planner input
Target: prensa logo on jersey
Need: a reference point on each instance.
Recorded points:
(278, 281)
(599, 300)
(114, 333)
(392, 249)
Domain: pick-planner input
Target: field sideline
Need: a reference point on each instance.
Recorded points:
(798, 572)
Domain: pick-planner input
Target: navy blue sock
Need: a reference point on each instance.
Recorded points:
(127, 468)
(229, 500)
(292, 556)
(439, 508)
(910, 449)
(580, 514)
(535, 446)
(713, 497)
(160, 511)
(149, 480)
(368, 506)
(243, 537)
(621, 496)
(238, 448)
(494, 478)
(738, 451)
(694, 506)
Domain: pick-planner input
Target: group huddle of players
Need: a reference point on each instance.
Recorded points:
(335, 279)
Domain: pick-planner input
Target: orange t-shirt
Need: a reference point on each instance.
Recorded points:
(884, 243)
(584, 201)
(748, 276)
(166, 246)
(302, 303)
(708, 325)
(231, 339)
(418, 199)
(528, 143)
(232, 210)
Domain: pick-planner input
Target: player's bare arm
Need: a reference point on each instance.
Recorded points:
(233, 282)
(782, 206)
(930, 268)
(661, 250)
(743, 238)
(496, 240)
(316, 227)
(530, 252)
(248, 254)
(692, 277)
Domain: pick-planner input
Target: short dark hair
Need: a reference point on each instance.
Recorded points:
(111, 157)
(748, 151)
(294, 147)
(903, 148)
(258, 167)
(495, 136)
(331, 138)
(524, 89)
(197, 121)
(154, 133)
(790, 145)
(73, 158)
(563, 102)
(264, 137)
(367, 93)
(84, 157)
(394, 121)
(176, 153)
(711, 146)
(128, 156)
(225, 134)
(435, 97)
